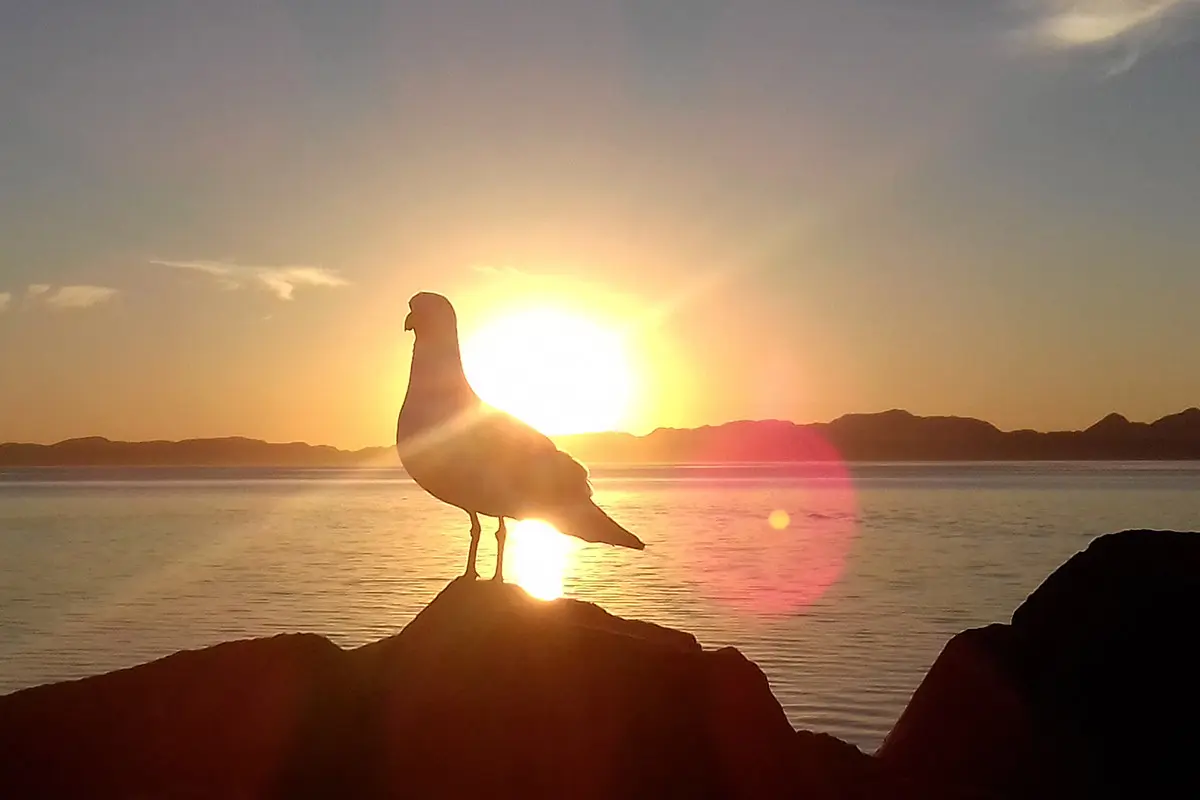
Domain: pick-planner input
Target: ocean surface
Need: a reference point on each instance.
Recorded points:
(842, 583)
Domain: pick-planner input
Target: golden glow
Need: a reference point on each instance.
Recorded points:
(558, 371)
(779, 519)
(537, 558)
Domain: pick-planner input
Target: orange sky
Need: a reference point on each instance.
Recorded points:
(212, 218)
(331, 366)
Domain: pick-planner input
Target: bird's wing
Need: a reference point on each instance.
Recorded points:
(530, 466)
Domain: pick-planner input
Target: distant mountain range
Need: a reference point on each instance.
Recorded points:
(888, 436)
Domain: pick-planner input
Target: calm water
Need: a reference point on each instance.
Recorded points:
(843, 586)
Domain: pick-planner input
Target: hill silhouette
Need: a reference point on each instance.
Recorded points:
(888, 436)
(897, 436)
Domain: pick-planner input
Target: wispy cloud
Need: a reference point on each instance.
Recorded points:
(81, 296)
(1091, 23)
(75, 296)
(280, 281)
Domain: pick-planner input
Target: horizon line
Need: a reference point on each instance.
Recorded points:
(744, 421)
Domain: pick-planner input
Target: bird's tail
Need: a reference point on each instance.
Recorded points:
(588, 521)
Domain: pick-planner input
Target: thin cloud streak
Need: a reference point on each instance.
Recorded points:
(280, 281)
(1071, 24)
(82, 296)
(36, 289)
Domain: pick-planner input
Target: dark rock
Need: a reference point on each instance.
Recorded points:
(1107, 652)
(563, 699)
(1090, 692)
(970, 724)
(486, 691)
(228, 721)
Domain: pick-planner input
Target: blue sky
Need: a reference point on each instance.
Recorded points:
(212, 215)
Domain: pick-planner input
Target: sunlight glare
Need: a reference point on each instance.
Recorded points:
(537, 558)
(558, 371)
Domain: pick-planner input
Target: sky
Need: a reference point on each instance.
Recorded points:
(212, 215)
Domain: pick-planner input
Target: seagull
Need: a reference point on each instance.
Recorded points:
(480, 459)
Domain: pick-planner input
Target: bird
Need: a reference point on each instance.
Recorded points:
(481, 459)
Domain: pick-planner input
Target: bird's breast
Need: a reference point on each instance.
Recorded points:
(458, 475)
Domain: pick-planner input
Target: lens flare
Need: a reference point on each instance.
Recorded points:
(788, 564)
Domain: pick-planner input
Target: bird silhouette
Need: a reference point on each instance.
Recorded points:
(480, 459)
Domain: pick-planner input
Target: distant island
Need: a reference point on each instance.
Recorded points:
(887, 436)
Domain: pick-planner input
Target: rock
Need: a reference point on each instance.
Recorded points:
(970, 724)
(1089, 692)
(485, 691)
(1108, 653)
(563, 699)
(229, 721)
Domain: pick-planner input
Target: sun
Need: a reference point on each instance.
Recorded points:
(559, 371)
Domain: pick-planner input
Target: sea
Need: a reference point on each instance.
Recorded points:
(841, 581)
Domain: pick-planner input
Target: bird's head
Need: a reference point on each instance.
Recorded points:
(431, 315)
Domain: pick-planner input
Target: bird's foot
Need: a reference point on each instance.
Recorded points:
(471, 575)
(497, 579)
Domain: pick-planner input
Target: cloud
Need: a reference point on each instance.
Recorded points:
(78, 296)
(280, 281)
(1070, 24)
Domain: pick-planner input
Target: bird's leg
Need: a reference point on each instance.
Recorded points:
(476, 530)
(501, 535)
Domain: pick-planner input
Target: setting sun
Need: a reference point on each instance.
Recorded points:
(558, 371)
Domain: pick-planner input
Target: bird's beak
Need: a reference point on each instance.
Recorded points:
(408, 322)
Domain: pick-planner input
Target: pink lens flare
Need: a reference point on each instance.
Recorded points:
(783, 556)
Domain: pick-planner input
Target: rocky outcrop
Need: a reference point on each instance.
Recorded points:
(486, 691)
(1089, 692)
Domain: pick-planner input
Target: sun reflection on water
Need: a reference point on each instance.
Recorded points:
(537, 558)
